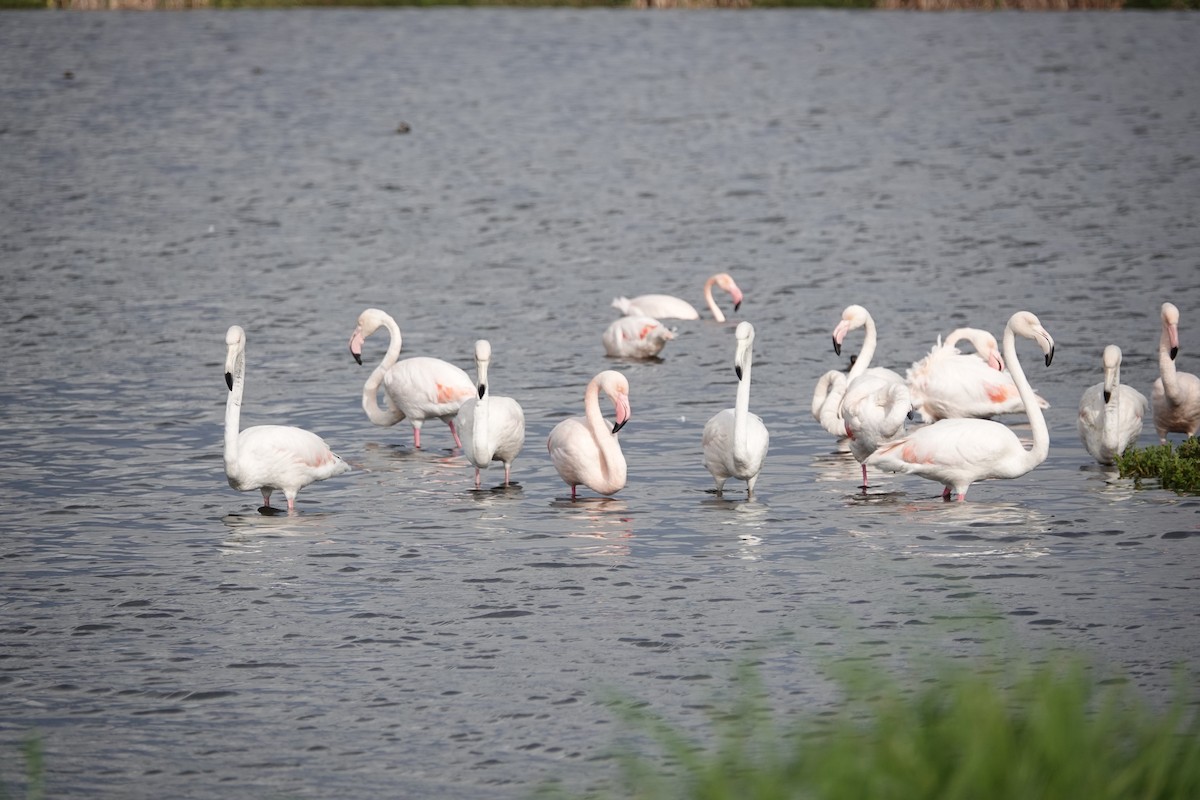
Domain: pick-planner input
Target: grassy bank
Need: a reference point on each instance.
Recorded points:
(972, 731)
(907, 5)
(1176, 468)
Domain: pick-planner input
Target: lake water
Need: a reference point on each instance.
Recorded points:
(167, 175)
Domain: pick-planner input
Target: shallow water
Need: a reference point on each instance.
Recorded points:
(167, 175)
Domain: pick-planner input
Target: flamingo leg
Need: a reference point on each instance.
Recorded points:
(572, 491)
(416, 437)
(266, 495)
(946, 493)
(477, 477)
(507, 467)
(457, 441)
(864, 484)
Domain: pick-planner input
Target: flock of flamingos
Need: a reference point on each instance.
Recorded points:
(954, 393)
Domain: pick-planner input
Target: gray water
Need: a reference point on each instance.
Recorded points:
(402, 635)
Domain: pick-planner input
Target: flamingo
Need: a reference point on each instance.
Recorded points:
(636, 337)
(493, 426)
(664, 306)
(1176, 395)
(854, 317)
(958, 452)
(418, 388)
(269, 457)
(948, 383)
(1110, 413)
(584, 450)
(735, 441)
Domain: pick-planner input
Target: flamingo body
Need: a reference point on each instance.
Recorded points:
(585, 451)
(827, 402)
(492, 426)
(269, 457)
(636, 337)
(665, 306)
(1175, 397)
(417, 389)
(958, 452)
(1110, 413)
(735, 441)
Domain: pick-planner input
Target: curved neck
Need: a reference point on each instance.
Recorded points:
(1037, 422)
(612, 461)
(479, 432)
(370, 394)
(233, 409)
(863, 362)
(712, 304)
(1166, 365)
(741, 413)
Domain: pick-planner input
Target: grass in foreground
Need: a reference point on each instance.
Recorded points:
(965, 732)
(1177, 467)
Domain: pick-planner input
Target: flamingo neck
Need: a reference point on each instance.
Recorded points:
(612, 460)
(479, 433)
(370, 395)
(1037, 422)
(1166, 365)
(741, 417)
(233, 412)
(712, 304)
(863, 362)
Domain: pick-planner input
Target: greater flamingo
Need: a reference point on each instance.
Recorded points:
(947, 383)
(1176, 395)
(584, 449)
(665, 306)
(636, 337)
(493, 426)
(827, 402)
(418, 388)
(735, 441)
(268, 457)
(958, 452)
(1110, 413)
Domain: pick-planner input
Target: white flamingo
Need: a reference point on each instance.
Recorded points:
(665, 306)
(636, 337)
(948, 384)
(493, 426)
(735, 441)
(268, 457)
(584, 449)
(827, 402)
(958, 452)
(1176, 395)
(1110, 413)
(418, 388)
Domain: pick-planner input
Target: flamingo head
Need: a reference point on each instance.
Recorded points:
(853, 317)
(745, 338)
(368, 322)
(1170, 321)
(726, 282)
(483, 357)
(1025, 323)
(1112, 370)
(235, 346)
(616, 387)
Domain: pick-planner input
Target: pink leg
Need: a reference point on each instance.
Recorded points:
(266, 493)
(416, 437)
(457, 441)
(962, 495)
(864, 486)
(946, 493)
(572, 491)
(291, 505)
(477, 477)
(507, 467)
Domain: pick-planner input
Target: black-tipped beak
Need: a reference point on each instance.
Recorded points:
(1050, 355)
(229, 380)
(1107, 396)
(737, 305)
(1174, 352)
(617, 426)
(837, 347)
(738, 370)
(357, 357)
(482, 389)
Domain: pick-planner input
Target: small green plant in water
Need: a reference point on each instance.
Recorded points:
(967, 731)
(1177, 467)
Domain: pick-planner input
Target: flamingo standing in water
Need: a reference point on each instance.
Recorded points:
(735, 441)
(947, 383)
(636, 337)
(875, 403)
(1110, 413)
(268, 457)
(958, 452)
(584, 450)
(665, 306)
(1176, 395)
(418, 388)
(493, 426)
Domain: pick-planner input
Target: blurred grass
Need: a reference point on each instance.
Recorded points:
(1178, 468)
(977, 731)
(911, 5)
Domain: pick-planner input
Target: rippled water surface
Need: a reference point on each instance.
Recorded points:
(167, 175)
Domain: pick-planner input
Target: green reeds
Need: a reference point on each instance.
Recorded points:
(966, 731)
(1178, 468)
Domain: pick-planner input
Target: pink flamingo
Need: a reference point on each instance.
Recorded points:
(584, 449)
(1176, 395)
(268, 457)
(1110, 413)
(417, 388)
(958, 452)
(494, 426)
(665, 306)
(734, 440)
(636, 337)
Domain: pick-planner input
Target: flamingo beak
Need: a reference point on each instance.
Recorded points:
(996, 362)
(482, 389)
(839, 333)
(229, 380)
(837, 346)
(356, 343)
(1107, 396)
(1050, 355)
(738, 370)
(621, 401)
(1174, 352)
